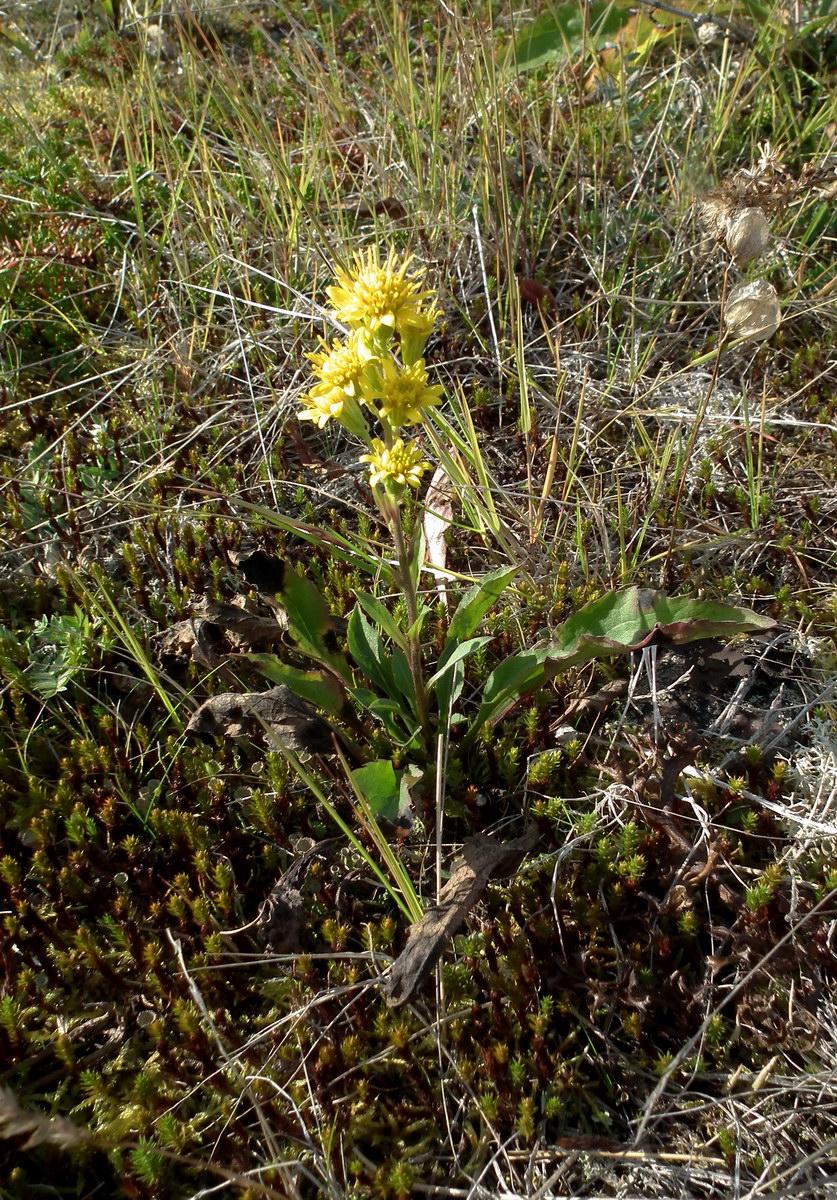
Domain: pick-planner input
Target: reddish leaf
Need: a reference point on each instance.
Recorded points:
(536, 294)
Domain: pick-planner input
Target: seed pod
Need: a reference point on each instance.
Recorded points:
(747, 234)
(752, 311)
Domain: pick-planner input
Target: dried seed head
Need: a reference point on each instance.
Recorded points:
(714, 212)
(752, 311)
(747, 234)
(707, 32)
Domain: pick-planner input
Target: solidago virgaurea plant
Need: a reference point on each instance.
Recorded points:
(374, 382)
(401, 702)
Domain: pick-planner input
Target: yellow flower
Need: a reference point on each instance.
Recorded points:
(322, 407)
(402, 393)
(339, 370)
(398, 465)
(372, 296)
(340, 367)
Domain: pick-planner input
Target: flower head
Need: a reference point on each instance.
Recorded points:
(340, 370)
(400, 464)
(400, 394)
(323, 406)
(375, 296)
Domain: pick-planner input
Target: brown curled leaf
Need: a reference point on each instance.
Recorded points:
(294, 722)
(280, 922)
(262, 571)
(281, 918)
(37, 1129)
(246, 630)
(194, 640)
(388, 206)
(309, 621)
(482, 858)
(536, 294)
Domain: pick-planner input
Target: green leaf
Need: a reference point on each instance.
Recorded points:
(387, 792)
(416, 551)
(513, 678)
(318, 687)
(389, 712)
(476, 602)
(389, 672)
(620, 622)
(457, 654)
(402, 676)
(416, 627)
(58, 649)
(469, 613)
(448, 692)
(367, 648)
(309, 621)
(382, 617)
(561, 33)
(617, 623)
(380, 786)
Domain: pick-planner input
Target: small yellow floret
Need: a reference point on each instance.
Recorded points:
(400, 394)
(413, 336)
(321, 408)
(341, 366)
(399, 464)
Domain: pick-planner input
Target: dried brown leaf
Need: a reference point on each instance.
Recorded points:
(35, 1128)
(278, 925)
(213, 631)
(482, 857)
(194, 640)
(388, 206)
(294, 722)
(264, 572)
(438, 514)
(281, 917)
(536, 294)
(247, 630)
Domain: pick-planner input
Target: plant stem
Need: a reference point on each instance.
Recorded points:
(413, 633)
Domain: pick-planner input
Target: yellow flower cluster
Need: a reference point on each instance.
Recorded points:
(399, 463)
(372, 296)
(379, 365)
(339, 370)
